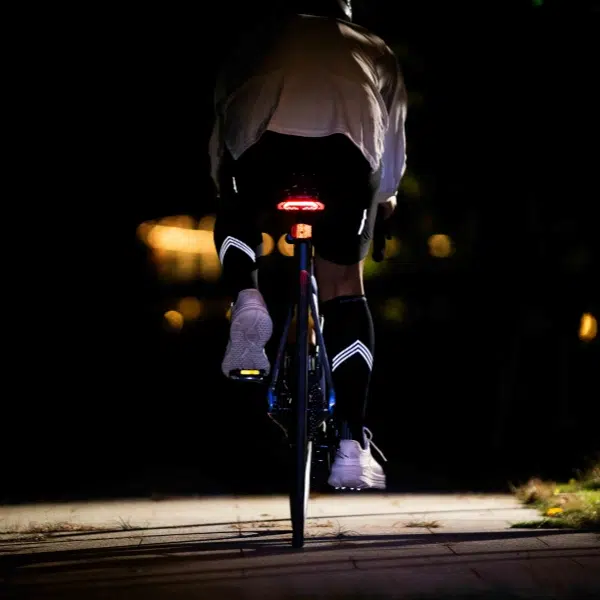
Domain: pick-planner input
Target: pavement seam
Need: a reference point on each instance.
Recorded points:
(543, 542)
(577, 562)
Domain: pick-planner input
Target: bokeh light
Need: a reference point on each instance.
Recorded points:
(372, 269)
(179, 239)
(410, 186)
(174, 319)
(588, 327)
(440, 245)
(268, 244)
(394, 309)
(190, 308)
(285, 248)
(182, 248)
(392, 247)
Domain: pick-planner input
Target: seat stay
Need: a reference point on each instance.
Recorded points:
(323, 358)
(279, 358)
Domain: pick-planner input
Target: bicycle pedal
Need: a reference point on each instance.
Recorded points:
(254, 375)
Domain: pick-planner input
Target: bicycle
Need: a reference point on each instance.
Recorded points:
(301, 395)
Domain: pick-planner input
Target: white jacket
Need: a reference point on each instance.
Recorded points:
(314, 77)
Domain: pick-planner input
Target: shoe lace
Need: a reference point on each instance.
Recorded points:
(369, 437)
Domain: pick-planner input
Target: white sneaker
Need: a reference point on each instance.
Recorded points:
(355, 467)
(250, 330)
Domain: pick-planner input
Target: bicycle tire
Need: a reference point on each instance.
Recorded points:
(301, 449)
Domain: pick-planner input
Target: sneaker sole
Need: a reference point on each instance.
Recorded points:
(250, 330)
(358, 482)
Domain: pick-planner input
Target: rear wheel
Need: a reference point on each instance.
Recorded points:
(300, 492)
(301, 448)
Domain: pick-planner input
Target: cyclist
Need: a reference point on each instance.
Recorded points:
(310, 92)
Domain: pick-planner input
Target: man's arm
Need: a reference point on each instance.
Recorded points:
(215, 152)
(216, 144)
(393, 163)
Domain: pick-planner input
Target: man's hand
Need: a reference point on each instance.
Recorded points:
(388, 207)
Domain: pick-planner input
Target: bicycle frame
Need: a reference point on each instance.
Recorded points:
(307, 288)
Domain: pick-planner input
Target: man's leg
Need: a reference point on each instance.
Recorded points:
(238, 241)
(342, 243)
(349, 339)
(342, 237)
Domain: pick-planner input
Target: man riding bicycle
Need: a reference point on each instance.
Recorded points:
(311, 92)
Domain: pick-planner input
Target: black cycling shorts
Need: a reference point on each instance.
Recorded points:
(343, 232)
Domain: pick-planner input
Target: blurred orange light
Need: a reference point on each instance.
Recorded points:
(190, 308)
(440, 245)
(588, 327)
(268, 244)
(183, 248)
(285, 248)
(178, 239)
(174, 319)
(144, 230)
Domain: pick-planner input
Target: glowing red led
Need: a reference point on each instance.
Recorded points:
(309, 204)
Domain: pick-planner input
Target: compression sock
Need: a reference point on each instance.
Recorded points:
(350, 340)
(239, 246)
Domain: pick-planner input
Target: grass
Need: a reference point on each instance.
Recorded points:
(41, 531)
(341, 533)
(571, 505)
(49, 528)
(44, 530)
(125, 524)
(425, 524)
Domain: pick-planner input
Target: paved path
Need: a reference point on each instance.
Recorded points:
(359, 545)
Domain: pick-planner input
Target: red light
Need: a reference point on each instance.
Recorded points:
(301, 204)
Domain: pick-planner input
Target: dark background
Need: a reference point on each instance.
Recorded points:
(483, 381)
